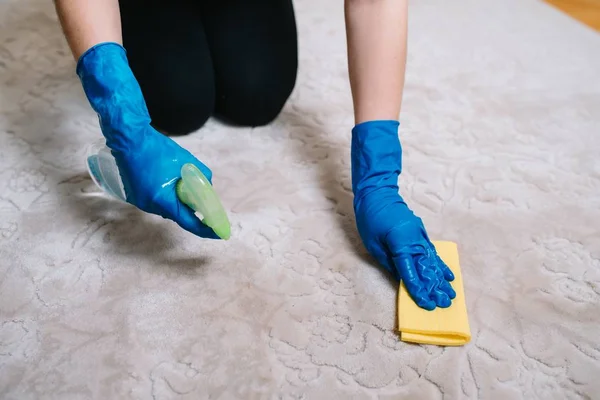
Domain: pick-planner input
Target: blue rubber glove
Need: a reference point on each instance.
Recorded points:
(149, 162)
(391, 232)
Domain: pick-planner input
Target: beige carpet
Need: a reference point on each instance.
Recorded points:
(501, 130)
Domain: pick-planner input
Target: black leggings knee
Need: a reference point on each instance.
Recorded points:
(235, 59)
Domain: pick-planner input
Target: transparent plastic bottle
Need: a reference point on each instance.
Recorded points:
(103, 170)
(193, 188)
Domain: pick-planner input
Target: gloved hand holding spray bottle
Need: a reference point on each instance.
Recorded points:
(138, 164)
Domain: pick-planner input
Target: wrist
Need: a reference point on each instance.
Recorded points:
(376, 156)
(108, 81)
(114, 94)
(385, 125)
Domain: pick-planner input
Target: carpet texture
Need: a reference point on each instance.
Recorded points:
(501, 134)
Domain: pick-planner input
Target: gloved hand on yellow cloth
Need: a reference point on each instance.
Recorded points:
(442, 326)
(391, 232)
(397, 238)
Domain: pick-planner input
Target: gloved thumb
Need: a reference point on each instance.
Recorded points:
(187, 219)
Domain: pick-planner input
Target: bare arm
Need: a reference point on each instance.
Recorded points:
(376, 33)
(89, 22)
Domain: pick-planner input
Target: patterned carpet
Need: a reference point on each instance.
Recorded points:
(501, 133)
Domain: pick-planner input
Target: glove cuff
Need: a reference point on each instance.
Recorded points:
(113, 92)
(376, 156)
(86, 60)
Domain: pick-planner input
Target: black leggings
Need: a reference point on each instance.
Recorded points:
(235, 59)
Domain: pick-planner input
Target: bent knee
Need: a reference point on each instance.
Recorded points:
(258, 110)
(256, 99)
(180, 115)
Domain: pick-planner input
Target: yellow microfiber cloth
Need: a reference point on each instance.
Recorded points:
(442, 326)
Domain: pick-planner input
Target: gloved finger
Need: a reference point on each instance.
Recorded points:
(439, 296)
(447, 288)
(441, 299)
(427, 266)
(428, 272)
(168, 205)
(442, 284)
(188, 220)
(448, 275)
(445, 269)
(405, 265)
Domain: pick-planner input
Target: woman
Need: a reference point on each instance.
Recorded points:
(186, 60)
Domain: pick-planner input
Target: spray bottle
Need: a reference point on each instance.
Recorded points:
(193, 189)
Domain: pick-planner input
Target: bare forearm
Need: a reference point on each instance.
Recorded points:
(376, 33)
(89, 22)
